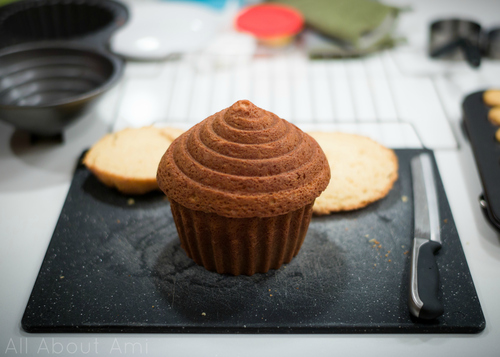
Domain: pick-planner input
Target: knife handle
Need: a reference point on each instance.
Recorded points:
(424, 281)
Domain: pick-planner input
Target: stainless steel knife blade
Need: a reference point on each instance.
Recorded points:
(424, 275)
(425, 199)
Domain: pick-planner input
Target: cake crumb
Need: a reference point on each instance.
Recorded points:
(130, 201)
(404, 198)
(374, 241)
(61, 277)
(406, 252)
(203, 314)
(445, 220)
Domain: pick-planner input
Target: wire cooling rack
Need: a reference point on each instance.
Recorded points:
(368, 95)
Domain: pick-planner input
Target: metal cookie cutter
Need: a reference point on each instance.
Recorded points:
(456, 39)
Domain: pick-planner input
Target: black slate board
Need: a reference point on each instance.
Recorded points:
(113, 266)
(486, 149)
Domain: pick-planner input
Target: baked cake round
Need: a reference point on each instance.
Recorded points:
(241, 185)
(491, 97)
(128, 159)
(494, 115)
(362, 170)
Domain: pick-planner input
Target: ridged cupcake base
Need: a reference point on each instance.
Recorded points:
(240, 245)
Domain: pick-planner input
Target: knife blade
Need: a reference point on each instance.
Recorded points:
(424, 274)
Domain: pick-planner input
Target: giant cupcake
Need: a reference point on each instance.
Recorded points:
(241, 186)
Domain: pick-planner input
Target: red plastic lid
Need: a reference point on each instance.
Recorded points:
(270, 20)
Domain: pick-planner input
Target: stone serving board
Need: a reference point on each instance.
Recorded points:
(115, 264)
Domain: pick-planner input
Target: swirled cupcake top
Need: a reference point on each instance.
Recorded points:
(244, 162)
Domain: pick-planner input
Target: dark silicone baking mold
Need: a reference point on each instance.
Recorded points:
(54, 60)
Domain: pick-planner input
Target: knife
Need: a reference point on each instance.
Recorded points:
(424, 275)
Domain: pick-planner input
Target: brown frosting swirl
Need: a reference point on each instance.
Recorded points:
(244, 162)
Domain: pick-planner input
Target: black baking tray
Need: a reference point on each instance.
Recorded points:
(486, 149)
(115, 264)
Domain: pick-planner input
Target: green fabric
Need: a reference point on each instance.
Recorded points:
(5, 2)
(346, 20)
(318, 47)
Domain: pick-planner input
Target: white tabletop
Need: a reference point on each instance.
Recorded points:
(34, 182)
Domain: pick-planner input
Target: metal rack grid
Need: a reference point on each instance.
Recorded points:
(368, 96)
